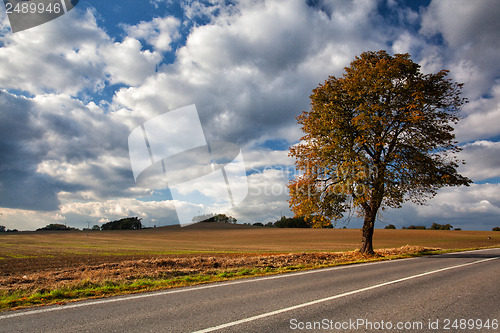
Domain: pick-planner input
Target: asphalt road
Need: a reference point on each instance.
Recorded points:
(428, 294)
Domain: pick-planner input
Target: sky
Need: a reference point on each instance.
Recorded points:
(73, 89)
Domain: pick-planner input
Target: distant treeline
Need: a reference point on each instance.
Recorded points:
(134, 223)
(300, 222)
(129, 223)
(434, 226)
(286, 222)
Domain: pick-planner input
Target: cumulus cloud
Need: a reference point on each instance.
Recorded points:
(470, 50)
(69, 55)
(162, 212)
(482, 160)
(55, 143)
(127, 63)
(248, 66)
(160, 32)
(267, 197)
(255, 159)
(473, 207)
(31, 220)
(482, 118)
(250, 73)
(21, 187)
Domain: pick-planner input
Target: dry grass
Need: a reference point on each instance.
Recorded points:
(166, 268)
(56, 286)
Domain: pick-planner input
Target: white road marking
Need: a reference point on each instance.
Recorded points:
(322, 300)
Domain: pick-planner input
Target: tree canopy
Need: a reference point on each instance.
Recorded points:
(214, 218)
(129, 223)
(56, 227)
(374, 138)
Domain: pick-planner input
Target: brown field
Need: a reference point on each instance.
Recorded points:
(31, 262)
(34, 251)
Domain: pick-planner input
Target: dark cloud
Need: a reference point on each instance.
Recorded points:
(20, 185)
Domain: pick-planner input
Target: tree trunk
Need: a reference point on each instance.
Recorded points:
(371, 210)
(368, 227)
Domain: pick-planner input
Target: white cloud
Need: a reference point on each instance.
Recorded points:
(251, 69)
(56, 143)
(483, 117)
(69, 55)
(50, 57)
(267, 197)
(470, 32)
(127, 63)
(464, 202)
(163, 212)
(160, 32)
(27, 219)
(463, 22)
(482, 160)
(255, 159)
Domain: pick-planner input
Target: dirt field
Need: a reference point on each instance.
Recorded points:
(25, 253)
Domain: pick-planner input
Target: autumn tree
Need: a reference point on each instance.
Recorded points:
(378, 136)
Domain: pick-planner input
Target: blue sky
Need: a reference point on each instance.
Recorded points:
(73, 89)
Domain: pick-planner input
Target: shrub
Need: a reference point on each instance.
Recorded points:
(418, 227)
(436, 226)
(55, 227)
(291, 222)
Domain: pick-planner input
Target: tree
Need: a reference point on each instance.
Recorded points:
(390, 226)
(416, 227)
(96, 227)
(291, 222)
(3, 228)
(378, 136)
(437, 226)
(129, 223)
(214, 218)
(56, 227)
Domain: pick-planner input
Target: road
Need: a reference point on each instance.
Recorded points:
(425, 294)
